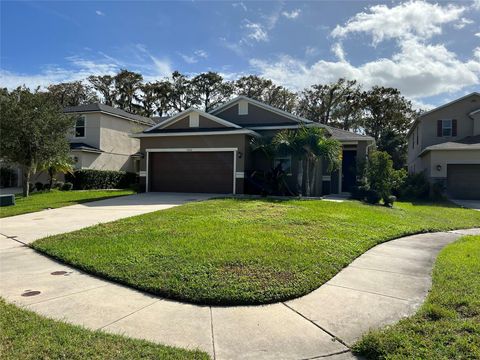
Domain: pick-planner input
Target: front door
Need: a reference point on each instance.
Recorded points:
(349, 170)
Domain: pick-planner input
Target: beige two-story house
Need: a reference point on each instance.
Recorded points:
(100, 139)
(444, 144)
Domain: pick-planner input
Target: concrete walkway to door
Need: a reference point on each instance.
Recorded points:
(386, 283)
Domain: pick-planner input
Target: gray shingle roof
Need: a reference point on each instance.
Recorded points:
(83, 146)
(110, 110)
(468, 143)
(344, 135)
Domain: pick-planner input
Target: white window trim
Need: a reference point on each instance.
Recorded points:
(84, 128)
(169, 150)
(451, 127)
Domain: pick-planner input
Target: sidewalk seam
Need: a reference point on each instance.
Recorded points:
(123, 317)
(213, 335)
(369, 292)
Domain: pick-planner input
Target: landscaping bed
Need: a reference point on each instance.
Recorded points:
(26, 335)
(55, 198)
(244, 251)
(447, 326)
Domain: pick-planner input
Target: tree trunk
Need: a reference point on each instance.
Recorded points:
(26, 180)
(300, 176)
(313, 176)
(50, 181)
(307, 176)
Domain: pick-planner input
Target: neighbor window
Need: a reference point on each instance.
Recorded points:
(446, 127)
(80, 127)
(285, 162)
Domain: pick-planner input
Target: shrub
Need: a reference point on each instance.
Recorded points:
(380, 177)
(67, 186)
(359, 193)
(58, 185)
(438, 191)
(415, 186)
(389, 200)
(101, 179)
(39, 186)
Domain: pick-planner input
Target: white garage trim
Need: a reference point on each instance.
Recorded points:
(169, 150)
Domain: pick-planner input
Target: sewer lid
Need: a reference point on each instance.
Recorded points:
(31, 293)
(58, 273)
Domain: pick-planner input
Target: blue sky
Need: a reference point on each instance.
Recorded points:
(430, 51)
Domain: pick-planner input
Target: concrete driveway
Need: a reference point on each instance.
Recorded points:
(472, 204)
(30, 227)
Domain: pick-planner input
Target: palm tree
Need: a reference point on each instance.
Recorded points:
(54, 166)
(307, 145)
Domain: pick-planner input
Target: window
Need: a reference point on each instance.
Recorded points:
(446, 127)
(79, 131)
(285, 162)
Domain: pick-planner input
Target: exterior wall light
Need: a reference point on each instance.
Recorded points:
(439, 167)
(240, 154)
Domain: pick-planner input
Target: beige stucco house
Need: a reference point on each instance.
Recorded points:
(195, 151)
(100, 140)
(444, 144)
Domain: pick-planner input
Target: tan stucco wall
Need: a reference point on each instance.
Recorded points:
(92, 130)
(103, 161)
(445, 157)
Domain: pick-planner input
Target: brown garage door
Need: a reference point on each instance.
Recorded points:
(463, 181)
(202, 172)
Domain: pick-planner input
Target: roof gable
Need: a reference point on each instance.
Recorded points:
(185, 119)
(259, 107)
(97, 107)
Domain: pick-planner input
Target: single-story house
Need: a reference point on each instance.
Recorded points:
(196, 151)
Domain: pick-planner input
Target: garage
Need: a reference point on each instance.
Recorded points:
(191, 171)
(463, 181)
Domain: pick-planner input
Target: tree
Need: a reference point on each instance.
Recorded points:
(33, 129)
(308, 145)
(330, 103)
(182, 94)
(127, 84)
(211, 89)
(387, 118)
(266, 91)
(61, 164)
(72, 93)
(105, 86)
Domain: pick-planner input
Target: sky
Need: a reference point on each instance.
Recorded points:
(430, 51)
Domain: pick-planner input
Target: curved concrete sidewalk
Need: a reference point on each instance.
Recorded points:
(386, 283)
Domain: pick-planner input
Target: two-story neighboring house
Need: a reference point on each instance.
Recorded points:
(100, 139)
(444, 144)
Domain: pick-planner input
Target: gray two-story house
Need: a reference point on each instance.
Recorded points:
(444, 144)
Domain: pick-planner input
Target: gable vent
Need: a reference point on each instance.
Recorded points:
(193, 120)
(242, 107)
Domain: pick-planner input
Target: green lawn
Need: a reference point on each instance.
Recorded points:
(447, 326)
(55, 198)
(230, 251)
(26, 335)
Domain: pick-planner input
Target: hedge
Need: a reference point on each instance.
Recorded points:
(101, 179)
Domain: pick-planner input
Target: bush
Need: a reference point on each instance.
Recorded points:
(380, 178)
(67, 186)
(359, 193)
(415, 187)
(101, 179)
(438, 191)
(39, 186)
(389, 200)
(58, 185)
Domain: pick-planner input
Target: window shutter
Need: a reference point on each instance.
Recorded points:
(454, 127)
(439, 128)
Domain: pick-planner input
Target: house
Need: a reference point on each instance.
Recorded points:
(100, 140)
(195, 151)
(444, 144)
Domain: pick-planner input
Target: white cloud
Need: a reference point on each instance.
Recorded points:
(477, 34)
(188, 59)
(241, 5)
(99, 13)
(417, 70)
(201, 53)
(292, 14)
(476, 4)
(256, 31)
(337, 49)
(411, 19)
(462, 23)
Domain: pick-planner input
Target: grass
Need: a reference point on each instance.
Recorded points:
(26, 335)
(54, 199)
(447, 326)
(231, 251)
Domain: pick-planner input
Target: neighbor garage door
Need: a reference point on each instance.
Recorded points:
(463, 181)
(202, 172)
